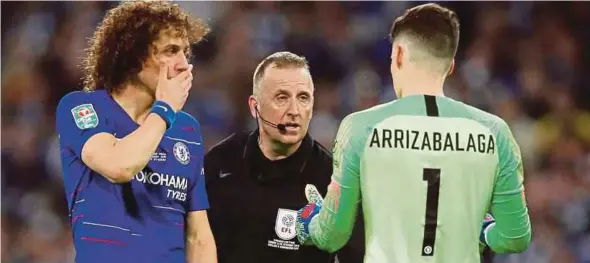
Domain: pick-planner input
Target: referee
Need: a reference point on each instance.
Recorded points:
(255, 180)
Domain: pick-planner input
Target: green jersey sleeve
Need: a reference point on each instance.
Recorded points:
(512, 230)
(331, 229)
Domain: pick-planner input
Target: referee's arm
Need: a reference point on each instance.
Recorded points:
(354, 250)
(212, 164)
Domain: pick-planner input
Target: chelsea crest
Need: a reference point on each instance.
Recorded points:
(181, 153)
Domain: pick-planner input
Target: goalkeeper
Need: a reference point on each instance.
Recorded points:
(427, 167)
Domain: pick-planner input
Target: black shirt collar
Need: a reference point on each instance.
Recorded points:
(264, 169)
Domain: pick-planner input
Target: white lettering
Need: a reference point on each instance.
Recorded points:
(183, 184)
(283, 244)
(172, 181)
(157, 175)
(178, 195)
(167, 180)
(140, 177)
(164, 178)
(178, 184)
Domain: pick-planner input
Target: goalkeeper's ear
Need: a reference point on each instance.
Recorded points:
(313, 195)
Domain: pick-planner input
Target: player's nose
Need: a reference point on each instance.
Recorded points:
(293, 108)
(181, 63)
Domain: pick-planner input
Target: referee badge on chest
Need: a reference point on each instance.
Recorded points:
(181, 153)
(285, 224)
(285, 230)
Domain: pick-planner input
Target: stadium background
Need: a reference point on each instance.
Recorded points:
(528, 62)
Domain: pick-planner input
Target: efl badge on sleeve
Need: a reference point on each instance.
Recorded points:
(85, 116)
(285, 224)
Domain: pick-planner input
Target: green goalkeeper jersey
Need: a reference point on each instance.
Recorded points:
(426, 169)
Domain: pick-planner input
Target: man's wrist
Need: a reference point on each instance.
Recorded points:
(165, 111)
(312, 223)
(305, 217)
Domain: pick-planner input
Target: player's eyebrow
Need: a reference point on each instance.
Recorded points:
(282, 91)
(175, 47)
(304, 93)
(171, 46)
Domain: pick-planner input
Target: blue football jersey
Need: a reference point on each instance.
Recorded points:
(139, 221)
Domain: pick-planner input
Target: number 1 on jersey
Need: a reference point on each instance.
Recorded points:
(432, 177)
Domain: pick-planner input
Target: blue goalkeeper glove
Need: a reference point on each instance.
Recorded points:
(307, 213)
(488, 223)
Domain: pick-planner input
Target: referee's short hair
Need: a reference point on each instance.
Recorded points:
(279, 60)
(433, 29)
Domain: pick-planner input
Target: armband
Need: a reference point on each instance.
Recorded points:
(165, 112)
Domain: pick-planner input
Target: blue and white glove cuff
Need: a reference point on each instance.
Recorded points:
(484, 233)
(305, 217)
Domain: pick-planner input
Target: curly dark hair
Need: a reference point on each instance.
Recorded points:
(122, 42)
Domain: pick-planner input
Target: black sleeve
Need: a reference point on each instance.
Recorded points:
(220, 154)
(354, 250)
(487, 256)
(213, 166)
(212, 163)
(217, 160)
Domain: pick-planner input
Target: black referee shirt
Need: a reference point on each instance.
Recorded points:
(254, 202)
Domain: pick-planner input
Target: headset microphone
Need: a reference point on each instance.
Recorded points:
(281, 127)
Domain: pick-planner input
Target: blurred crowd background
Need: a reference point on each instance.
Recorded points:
(527, 62)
